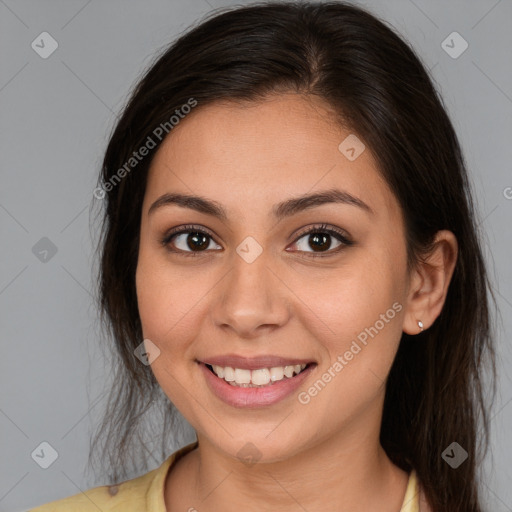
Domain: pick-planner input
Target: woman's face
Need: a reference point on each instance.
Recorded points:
(256, 292)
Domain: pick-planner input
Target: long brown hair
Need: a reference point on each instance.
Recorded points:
(435, 392)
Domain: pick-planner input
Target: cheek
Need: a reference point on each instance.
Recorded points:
(360, 309)
(354, 295)
(174, 303)
(165, 300)
(363, 310)
(166, 307)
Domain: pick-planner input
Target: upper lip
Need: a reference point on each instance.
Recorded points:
(253, 363)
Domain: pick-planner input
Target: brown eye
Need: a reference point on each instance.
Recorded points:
(319, 240)
(194, 240)
(188, 239)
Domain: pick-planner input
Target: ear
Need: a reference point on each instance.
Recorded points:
(429, 283)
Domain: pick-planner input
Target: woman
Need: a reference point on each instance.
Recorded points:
(290, 254)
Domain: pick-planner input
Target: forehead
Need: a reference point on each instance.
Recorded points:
(261, 152)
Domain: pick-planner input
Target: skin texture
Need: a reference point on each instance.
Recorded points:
(323, 455)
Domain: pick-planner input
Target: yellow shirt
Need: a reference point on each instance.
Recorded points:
(146, 493)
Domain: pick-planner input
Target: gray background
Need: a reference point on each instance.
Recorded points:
(56, 114)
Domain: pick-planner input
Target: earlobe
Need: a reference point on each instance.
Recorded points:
(430, 282)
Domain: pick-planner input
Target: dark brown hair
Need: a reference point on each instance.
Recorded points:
(435, 393)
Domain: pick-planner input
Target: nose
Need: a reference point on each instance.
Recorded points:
(251, 300)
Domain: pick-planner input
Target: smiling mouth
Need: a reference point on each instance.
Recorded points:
(261, 377)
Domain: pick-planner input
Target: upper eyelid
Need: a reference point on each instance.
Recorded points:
(323, 227)
(188, 229)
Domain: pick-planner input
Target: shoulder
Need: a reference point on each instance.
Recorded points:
(415, 499)
(420, 498)
(126, 496)
(140, 493)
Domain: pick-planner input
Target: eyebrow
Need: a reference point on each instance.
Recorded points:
(279, 211)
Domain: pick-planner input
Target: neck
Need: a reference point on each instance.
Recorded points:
(346, 473)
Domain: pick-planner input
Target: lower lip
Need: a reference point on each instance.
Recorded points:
(254, 397)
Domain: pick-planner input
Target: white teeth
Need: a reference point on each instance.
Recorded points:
(256, 378)
(218, 370)
(229, 374)
(260, 377)
(276, 373)
(288, 371)
(242, 376)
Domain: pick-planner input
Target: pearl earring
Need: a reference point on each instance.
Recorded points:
(420, 324)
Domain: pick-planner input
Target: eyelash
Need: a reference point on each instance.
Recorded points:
(322, 229)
